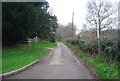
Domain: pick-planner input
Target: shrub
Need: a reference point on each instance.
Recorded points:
(81, 43)
(72, 41)
(109, 48)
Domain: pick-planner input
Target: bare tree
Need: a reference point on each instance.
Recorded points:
(84, 29)
(101, 14)
(72, 29)
(64, 32)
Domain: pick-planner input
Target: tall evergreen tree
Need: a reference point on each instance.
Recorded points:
(21, 19)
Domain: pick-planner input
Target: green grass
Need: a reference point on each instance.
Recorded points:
(0, 61)
(103, 70)
(15, 58)
(46, 44)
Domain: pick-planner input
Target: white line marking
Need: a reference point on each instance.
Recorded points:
(76, 60)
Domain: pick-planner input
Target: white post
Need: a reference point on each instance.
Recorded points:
(28, 40)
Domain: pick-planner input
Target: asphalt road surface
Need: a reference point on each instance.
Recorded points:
(60, 64)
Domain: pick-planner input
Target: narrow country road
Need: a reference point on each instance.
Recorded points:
(60, 64)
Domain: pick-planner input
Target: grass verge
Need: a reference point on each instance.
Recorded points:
(15, 58)
(0, 60)
(46, 44)
(103, 70)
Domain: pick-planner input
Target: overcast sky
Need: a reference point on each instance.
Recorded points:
(63, 10)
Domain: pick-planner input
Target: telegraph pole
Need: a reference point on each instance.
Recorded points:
(72, 23)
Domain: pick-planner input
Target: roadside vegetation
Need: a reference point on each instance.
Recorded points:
(104, 70)
(98, 42)
(15, 58)
(46, 44)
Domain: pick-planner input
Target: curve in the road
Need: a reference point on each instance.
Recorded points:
(61, 64)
